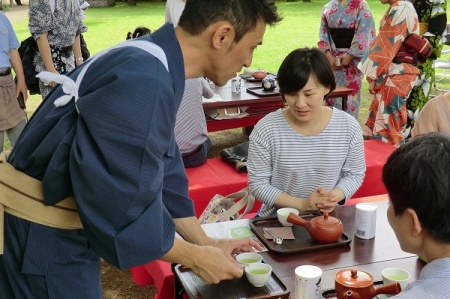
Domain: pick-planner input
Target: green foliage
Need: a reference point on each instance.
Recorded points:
(299, 28)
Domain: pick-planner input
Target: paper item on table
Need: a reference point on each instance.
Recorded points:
(283, 232)
(227, 113)
(215, 98)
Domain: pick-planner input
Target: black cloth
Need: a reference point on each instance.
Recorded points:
(342, 37)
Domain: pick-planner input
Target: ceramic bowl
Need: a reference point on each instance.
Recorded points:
(393, 275)
(258, 274)
(283, 213)
(269, 84)
(259, 74)
(248, 258)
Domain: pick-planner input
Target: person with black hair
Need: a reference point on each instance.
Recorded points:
(307, 156)
(138, 32)
(417, 179)
(103, 143)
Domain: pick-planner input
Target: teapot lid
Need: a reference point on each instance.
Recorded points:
(354, 278)
(326, 220)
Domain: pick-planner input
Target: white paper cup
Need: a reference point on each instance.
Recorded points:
(392, 275)
(308, 282)
(365, 220)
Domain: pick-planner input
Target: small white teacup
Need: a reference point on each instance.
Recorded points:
(283, 213)
(393, 275)
(248, 258)
(258, 273)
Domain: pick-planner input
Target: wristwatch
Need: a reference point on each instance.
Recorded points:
(79, 59)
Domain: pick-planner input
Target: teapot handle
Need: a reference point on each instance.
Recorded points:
(295, 219)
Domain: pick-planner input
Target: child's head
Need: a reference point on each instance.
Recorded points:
(300, 65)
(138, 32)
(417, 178)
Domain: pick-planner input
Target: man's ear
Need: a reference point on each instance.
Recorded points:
(416, 226)
(223, 35)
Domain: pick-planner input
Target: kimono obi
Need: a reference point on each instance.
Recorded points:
(22, 196)
(342, 37)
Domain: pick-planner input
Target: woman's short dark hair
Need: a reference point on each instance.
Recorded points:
(242, 14)
(300, 65)
(417, 176)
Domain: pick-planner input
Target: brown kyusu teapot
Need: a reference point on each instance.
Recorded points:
(322, 229)
(355, 284)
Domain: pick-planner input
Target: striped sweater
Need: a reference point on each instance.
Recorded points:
(282, 160)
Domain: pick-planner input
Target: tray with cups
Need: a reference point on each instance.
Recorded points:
(295, 238)
(258, 282)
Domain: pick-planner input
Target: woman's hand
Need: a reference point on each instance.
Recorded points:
(322, 200)
(331, 59)
(346, 60)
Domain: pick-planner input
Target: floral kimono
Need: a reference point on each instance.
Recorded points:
(433, 22)
(354, 15)
(392, 81)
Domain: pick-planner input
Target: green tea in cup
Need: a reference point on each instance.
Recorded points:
(258, 271)
(248, 261)
(248, 258)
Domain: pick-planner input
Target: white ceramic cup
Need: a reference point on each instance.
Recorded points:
(258, 273)
(308, 282)
(248, 258)
(392, 275)
(283, 213)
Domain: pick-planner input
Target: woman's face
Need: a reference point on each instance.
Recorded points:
(387, 1)
(306, 104)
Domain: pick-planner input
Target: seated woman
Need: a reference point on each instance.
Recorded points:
(434, 117)
(306, 156)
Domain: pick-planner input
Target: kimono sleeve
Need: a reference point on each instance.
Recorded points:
(124, 131)
(40, 17)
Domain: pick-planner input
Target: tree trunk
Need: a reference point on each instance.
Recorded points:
(132, 2)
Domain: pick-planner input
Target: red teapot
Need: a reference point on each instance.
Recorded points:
(355, 284)
(322, 229)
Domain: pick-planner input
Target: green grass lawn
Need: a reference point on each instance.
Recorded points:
(299, 28)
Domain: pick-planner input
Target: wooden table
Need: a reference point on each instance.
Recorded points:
(368, 255)
(258, 107)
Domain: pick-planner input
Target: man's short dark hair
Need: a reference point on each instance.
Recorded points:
(299, 65)
(242, 14)
(417, 176)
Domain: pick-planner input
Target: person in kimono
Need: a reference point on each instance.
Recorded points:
(106, 143)
(347, 30)
(433, 23)
(390, 81)
(56, 26)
